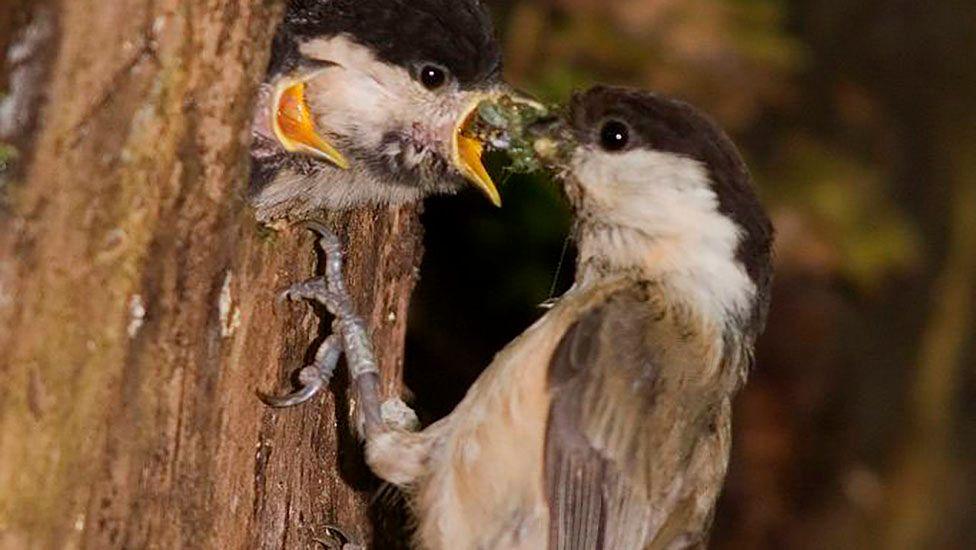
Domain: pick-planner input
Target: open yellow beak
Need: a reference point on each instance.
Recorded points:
(294, 125)
(467, 153)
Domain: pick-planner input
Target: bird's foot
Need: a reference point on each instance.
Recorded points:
(316, 376)
(332, 293)
(350, 335)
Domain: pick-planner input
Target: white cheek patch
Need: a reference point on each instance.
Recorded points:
(361, 96)
(363, 99)
(647, 189)
(665, 221)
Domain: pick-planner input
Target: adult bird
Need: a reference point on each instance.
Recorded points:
(364, 102)
(607, 424)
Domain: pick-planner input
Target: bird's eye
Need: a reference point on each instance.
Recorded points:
(432, 76)
(614, 135)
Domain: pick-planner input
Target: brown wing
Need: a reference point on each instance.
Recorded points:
(623, 458)
(576, 472)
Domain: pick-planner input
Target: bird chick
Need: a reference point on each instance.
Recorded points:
(606, 424)
(365, 101)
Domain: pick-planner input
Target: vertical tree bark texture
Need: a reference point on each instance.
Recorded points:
(137, 300)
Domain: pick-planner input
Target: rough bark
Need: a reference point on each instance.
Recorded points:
(137, 300)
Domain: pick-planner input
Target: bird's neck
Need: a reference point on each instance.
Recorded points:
(703, 278)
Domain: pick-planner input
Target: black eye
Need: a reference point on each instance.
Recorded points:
(614, 135)
(432, 76)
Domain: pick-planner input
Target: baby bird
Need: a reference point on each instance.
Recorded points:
(365, 101)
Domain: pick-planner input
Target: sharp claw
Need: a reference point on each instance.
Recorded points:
(337, 533)
(292, 399)
(337, 540)
(313, 377)
(327, 238)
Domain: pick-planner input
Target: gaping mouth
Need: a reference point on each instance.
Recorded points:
(510, 122)
(467, 150)
(294, 125)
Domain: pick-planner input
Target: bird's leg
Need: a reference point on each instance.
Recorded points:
(393, 452)
(349, 335)
(364, 375)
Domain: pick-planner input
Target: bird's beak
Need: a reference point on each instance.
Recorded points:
(294, 125)
(550, 137)
(467, 153)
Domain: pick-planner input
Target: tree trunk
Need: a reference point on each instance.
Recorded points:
(137, 296)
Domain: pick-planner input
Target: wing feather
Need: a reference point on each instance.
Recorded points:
(624, 462)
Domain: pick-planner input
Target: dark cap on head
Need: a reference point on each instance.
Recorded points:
(667, 125)
(457, 34)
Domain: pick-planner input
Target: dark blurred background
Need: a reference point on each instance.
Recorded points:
(858, 426)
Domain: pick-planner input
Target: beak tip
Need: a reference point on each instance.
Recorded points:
(322, 150)
(488, 188)
(342, 163)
